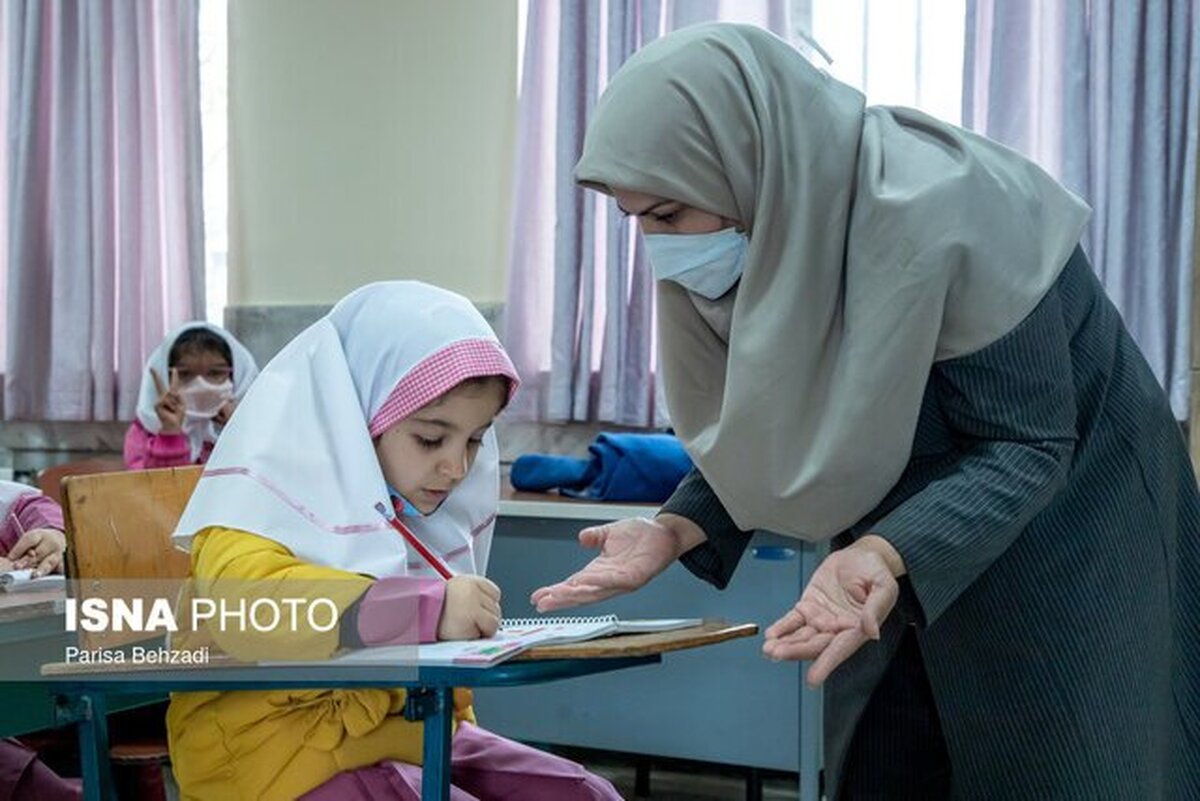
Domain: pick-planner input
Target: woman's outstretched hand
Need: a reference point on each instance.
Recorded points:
(632, 552)
(847, 599)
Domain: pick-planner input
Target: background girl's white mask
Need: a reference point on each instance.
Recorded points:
(707, 264)
(203, 398)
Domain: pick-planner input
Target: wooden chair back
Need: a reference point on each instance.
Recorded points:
(50, 480)
(119, 527)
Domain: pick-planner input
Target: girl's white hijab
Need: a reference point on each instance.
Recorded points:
(245, 369)
(881, 241)
(297, 462)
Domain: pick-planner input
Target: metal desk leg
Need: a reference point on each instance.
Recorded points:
(93, 747)
(641, 777)
(754, 785)
(435, 706)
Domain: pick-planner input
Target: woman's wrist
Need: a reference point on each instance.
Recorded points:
(686, 533)
(885, 550)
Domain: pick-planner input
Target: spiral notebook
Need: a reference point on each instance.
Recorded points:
(521, 634)
(515, 635)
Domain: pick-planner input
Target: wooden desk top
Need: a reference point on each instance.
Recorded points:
(551, 505)
(710, 632)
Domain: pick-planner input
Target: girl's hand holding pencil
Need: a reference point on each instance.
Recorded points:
(471, 609)
(40, 550)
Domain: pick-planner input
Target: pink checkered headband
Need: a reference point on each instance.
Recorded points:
(297, 463)
(441, 372)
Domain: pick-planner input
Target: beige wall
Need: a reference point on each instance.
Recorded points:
(369, 139)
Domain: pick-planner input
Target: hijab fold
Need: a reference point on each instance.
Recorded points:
(297, 463)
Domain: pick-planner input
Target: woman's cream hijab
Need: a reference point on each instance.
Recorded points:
(881, 241)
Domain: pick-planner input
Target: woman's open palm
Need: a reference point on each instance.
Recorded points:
(632, 552)
(849, 595)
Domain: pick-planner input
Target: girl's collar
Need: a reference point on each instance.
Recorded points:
(402, 504)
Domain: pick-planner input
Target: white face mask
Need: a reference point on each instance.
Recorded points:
(203, 398)
(707, 264)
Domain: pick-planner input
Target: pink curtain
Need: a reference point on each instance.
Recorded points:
(1105, 95)
(105, 232)
(579, 317)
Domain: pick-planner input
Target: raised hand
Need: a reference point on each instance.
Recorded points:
(225, 412)
(170, 407)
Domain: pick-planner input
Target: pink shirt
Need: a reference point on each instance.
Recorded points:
(27, 513)
(145, 451)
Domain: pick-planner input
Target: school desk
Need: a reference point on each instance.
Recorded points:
(31, 616)
(85, 689)
(32, 633)
(686, 708)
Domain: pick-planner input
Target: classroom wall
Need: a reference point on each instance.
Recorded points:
(369, 140)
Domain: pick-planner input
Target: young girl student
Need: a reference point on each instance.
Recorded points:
(31, 530)
(190, 385)
(31, 537)
(389, 401)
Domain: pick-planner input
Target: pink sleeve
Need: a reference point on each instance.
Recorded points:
(28, 512)
(401, 610)
(10, 531)
(144, 451)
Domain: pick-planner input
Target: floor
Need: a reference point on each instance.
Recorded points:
(677, 780)
(669, 779)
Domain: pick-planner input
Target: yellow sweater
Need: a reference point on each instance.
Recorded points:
(279, 744)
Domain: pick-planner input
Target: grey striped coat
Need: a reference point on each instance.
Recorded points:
(1049, 520)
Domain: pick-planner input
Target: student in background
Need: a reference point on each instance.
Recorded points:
(190, 386)
(389, 400)
(31, 530)
(31, 536)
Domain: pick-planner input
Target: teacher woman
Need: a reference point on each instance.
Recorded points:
(879, 329)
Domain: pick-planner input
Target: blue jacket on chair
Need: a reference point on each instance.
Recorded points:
(619, 467)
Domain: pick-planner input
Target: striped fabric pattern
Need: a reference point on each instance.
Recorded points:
(1050, 522)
